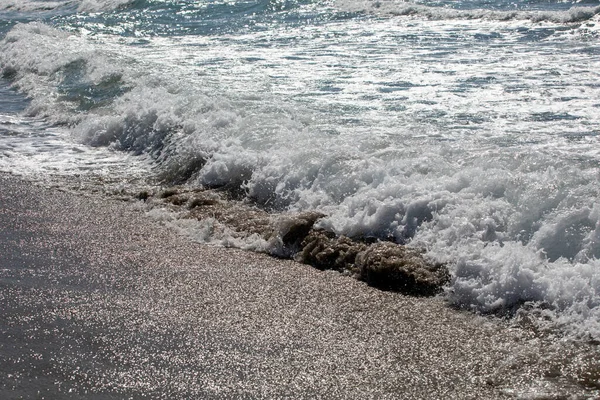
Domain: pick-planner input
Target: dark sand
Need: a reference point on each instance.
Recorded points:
(100, 302)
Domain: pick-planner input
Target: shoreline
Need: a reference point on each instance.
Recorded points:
(101, 300)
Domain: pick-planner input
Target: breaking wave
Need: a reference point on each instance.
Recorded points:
(28, 6)
(516, 224)
(576, 14)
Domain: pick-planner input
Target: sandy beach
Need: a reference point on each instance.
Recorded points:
(100, 302)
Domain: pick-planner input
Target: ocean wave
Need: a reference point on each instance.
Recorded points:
(102, 5)
(403, 8)
(27, 6)
(514, 226)
(34, 6)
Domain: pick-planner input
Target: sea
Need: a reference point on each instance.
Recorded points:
(466, 128)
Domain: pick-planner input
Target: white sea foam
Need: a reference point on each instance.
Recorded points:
(79, 5)
(401, 7)
(29, 147)
(208, 231)
(488, 159)
(33, 5)
(101, 5)
(590, 27)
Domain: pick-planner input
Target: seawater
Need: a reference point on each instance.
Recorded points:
(468, 128)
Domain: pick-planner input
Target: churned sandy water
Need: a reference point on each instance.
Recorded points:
(99, 301)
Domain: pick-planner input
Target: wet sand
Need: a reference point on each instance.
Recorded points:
(98, 302)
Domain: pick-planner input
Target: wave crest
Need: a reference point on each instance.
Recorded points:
(402, 8)
(27, 6)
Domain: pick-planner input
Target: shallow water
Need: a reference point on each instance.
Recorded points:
(469, 129)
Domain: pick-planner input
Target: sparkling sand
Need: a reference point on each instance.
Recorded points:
(98, 301)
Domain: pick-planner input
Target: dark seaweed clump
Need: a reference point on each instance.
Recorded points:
(382, 264)
(385, 265)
